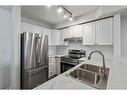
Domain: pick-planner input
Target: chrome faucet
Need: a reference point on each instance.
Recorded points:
(103, 68)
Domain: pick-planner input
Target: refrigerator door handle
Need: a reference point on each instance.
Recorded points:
(47, 59)
(37, 51)
(43, 50)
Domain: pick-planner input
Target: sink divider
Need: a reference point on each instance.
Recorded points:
(90, 72)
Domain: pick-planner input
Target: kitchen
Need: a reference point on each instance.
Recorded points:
(73, 35)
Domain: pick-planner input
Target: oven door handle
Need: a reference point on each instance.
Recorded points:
(68, 63)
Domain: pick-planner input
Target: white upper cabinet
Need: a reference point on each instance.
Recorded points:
(62, 37)
(76, 31)
(66, 33)
(73, 31)
(38, 29)
(26, 27)
(63, 34)
(55, 37)
(89, 33)
(104, 32)
(46, 31)
(98, 32)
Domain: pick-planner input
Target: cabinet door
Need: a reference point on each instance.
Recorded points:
(76, 31)
(58, 65)
(55, 37)
(104, 31)
(38, 29)
(89, 33)
(63, 35)
(47, 31)
(52, 66)
(26, 27)
(67, 32)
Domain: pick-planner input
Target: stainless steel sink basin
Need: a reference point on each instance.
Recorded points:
(90, 75)
(86, 76)
(89, 67)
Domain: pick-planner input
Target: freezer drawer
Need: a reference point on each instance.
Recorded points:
(34, 77)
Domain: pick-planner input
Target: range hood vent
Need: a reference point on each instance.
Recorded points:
(73, 39)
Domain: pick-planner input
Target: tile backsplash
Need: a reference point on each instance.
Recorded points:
(106, 50)
(52, 50)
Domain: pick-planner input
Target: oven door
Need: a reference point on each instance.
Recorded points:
(65, 66)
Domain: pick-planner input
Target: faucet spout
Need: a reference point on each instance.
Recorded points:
(103, 68)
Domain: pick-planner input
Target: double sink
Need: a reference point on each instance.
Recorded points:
(90, 75)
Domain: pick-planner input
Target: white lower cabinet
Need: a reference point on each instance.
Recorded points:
(52, 67)
(58, 65)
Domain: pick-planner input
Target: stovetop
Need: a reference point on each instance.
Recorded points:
(73, 56)
(69, 60)
(69, 57)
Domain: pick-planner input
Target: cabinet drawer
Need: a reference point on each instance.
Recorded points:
(52, 65)
(51, 60)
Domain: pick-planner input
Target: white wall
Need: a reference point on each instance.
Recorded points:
(107, 50)
(15, 47)
(52, 50)
(27, 20)
(124, 35)
(5, 29)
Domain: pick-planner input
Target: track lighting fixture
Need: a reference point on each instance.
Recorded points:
(67, 13)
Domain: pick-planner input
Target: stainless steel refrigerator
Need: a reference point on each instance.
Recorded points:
(34, 60)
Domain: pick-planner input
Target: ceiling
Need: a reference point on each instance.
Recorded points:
(49, 15)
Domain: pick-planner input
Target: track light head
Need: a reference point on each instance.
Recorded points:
(70, 18)
(48, 5)
(65, 15)
(60, 9)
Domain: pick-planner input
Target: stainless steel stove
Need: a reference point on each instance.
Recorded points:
(71, 59)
